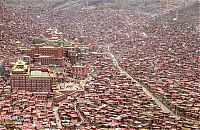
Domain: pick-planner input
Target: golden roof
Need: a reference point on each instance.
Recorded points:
(75, 42)
(20, 65)
(49, 29)
(60, 33)
(17, 42)
(20, 62)
(54, 38)
(55, 32)
(7, 121)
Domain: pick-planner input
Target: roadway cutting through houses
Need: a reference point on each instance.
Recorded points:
(158, 102)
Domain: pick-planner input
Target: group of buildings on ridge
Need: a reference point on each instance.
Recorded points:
(32, 71)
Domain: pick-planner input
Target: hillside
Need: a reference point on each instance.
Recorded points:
(150, 6)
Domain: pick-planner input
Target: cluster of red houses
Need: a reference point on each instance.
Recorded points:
(112, 100)
(166, 62)
(161, 55)
(28, 110)
(68, 115)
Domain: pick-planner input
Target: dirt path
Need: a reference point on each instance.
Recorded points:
(55, 109)
(158, 102)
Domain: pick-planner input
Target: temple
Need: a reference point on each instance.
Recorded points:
(46, 55)
(36, 79)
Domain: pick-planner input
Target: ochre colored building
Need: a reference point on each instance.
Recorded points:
(36, 79)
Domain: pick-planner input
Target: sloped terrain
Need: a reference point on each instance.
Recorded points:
(153, 6)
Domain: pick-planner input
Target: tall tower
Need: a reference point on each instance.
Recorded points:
(73, 57)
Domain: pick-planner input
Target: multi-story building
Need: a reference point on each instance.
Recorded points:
(36, 79)
(79, 71)
(73, 57)
(46, 54)
(49, 60)
(18, 44)
(27, 59)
